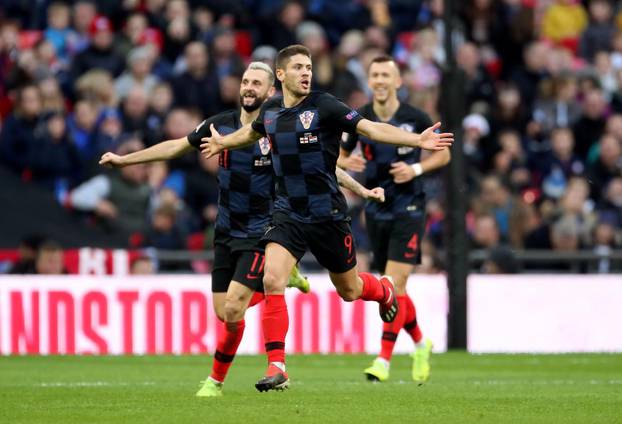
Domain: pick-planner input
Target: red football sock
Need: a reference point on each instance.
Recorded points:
(372, 288)
(390, 330)
(227, 346)
(275, 324)
(257, 297)
(410, 320)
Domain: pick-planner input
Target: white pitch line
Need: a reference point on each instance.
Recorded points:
(93, 384)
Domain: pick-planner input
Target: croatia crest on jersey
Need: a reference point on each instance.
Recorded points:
(264, 145)
(407, 127)
(306, 118)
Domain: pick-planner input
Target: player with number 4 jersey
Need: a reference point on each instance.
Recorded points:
(397, 226)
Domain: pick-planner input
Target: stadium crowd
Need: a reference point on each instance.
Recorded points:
(542, 135)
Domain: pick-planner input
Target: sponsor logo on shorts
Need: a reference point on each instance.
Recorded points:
(252, 276)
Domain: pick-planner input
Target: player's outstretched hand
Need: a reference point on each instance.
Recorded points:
(402, 172)
(431, 140)
(111, 160)
(212, 145)
(375, 194)
(354, 163)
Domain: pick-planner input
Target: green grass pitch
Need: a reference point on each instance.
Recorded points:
(577, 388)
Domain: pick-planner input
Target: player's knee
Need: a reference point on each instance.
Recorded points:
(272, 282)
(348, 294)
(234, 309)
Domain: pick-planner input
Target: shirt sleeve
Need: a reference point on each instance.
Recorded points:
(337, 113)
(424, 121)
(86, 196)
(349, 140)
(257, 124)
(202, 130)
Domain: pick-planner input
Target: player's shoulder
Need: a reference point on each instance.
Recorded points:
(408, 112)
(226, 118)
(320, 97)
(272, 102)
(367, 110)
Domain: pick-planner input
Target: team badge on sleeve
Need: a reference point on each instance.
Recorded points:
(264, 145)
(306, 118)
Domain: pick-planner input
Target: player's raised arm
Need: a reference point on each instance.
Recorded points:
(239, 139)
(388, 134)
(345, 180)
(165, 150)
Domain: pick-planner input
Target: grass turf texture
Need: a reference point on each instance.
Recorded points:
(464, 388)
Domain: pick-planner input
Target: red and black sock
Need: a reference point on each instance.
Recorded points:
(410, 321)
(373, 288)
(390, 330)
(275, 324)
(226, 348)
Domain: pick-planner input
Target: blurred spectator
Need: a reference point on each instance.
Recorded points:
(485, 232)
(59, 32)
(109, 132)
(83, 13)
(28, 248)
(501, 260)
(50, 259)
(559, 108)
(120, 199)
(476, 129)
(600, 31)
(611, 204)
(139, 73)
(604, 242)
(82, 126)
(313, 37)
(564, 21)
(197, 87)
(560, 164)
(163, 233)
(100, 54)
(53, 158)
(565, 235)
(97, 86)
(135, 115)
(52, 99)
(283, 32)
(133, 29)
(590, 126)
(143, 265)
(607, 166)
(226, 61)
(18, 131)
(528, 77)
(479, 84)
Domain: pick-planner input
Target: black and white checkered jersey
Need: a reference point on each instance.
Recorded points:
(305, 146)
(245, 181)
(400, 199)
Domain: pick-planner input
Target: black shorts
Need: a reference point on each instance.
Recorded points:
(396, 240)
(331, 242)
(236, 259)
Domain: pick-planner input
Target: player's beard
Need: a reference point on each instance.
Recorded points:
(254, 105)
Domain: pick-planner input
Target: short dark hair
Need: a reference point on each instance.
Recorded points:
(383, 58)
(282, 58)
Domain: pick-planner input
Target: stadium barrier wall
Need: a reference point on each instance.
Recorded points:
(544, 313)
(172, 314)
